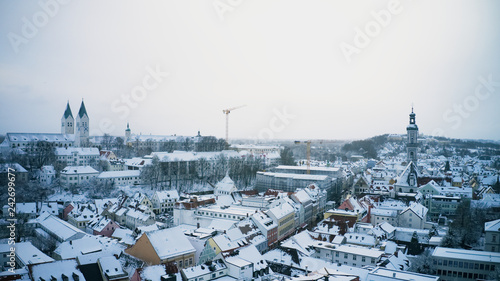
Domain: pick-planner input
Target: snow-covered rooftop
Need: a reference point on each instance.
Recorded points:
(170, 242)
(29, 254)
(76, 170)
(469, 255)
(381, 273)
(119, 174)
(83, 151)
(281, 211)
(57, 269)
(60, 228)
(33, 137)
(492, 226)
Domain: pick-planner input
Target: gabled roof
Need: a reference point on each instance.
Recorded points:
(67, 112)
(492, 225)
(4, 168)
(419, 209)
(82, 112)
(170, 242)
(226, 184)
(225, 243)
(63, 230)
(167, 194)
(404, 178)
(302, 196)
(300, 242)
(99, 223)
(387, 227)
(73, 170)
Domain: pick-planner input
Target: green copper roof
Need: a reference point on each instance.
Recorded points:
(82, 111)
(67, 112)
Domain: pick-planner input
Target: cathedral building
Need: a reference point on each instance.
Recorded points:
(74, 133)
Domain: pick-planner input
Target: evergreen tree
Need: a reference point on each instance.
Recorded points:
(447, 166)
(414, 247)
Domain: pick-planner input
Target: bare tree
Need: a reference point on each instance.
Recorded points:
(168, 146)
(152, 173)
(38, 154)
(107, 141)
(202, 168)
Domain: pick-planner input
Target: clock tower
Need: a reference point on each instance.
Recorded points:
(412, 135)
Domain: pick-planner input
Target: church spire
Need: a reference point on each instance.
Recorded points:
(82, 110)
(67, 112)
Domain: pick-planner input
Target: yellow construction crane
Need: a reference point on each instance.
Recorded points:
(227, 111)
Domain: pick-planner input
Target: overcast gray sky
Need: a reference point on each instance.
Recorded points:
(338, 69)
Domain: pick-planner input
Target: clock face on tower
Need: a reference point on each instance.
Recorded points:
(85, 126)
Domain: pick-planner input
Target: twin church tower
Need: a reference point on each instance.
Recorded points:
(78, 127)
